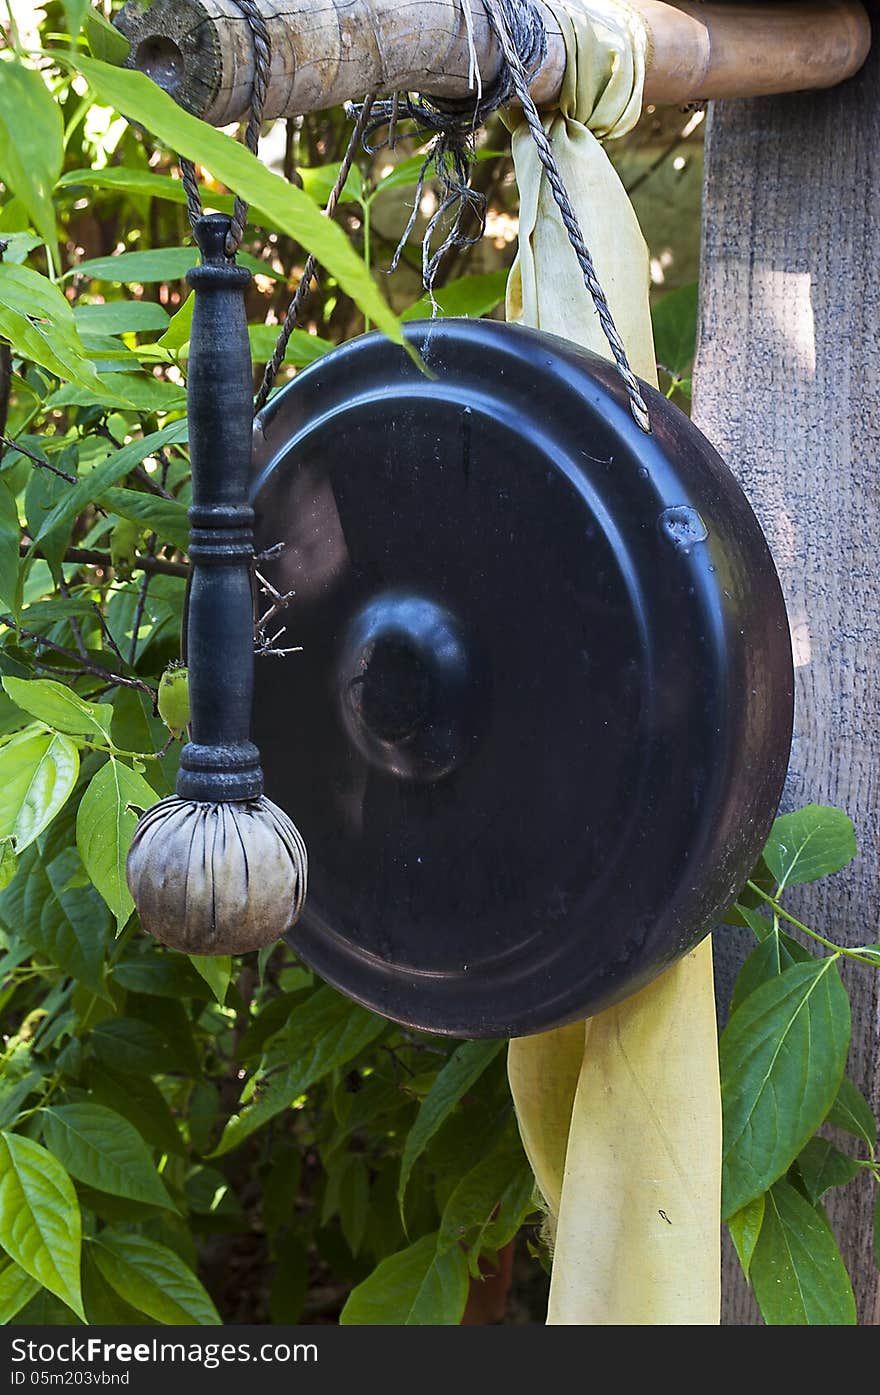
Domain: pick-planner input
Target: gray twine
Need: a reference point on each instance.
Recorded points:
(519, 28)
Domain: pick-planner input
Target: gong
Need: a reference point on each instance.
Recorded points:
(539, 726)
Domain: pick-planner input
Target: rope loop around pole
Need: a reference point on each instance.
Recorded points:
(505, 19)
(519, 29)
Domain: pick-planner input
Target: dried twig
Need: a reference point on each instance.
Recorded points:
(265, 644)
(81, 666)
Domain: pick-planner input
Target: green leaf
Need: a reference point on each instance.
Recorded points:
(290, 1282)
(166, 517)
(217, 973)
(121, 317)
(877, 1229)
(302, 348)
(160, 974)
(17, 1288)
(138, 98)
(117, 465)
(104, 39)
(144, 392)
(10, 537)
(823, 1166)
(745, 1229)
(354, 1202)
(797, 1273)
(809, 844)
(776, 953)
(44, 491)
(134, 1047)
(318, 183)
(470, 296)
(783, 1055)
(39, 324)
(180, 329)
(31, 145)
(68, 926)
(675, 329)
(140, 268)
(141, 183)
(140, 1102)
(462, 1070)
(419, 1287)
(40, 1226)
(324, 1033)
(152, 1279)
(38, 771)
(60, 707)
(19, 246)
(105, 826)
(45, 1310)
(102, 1149)
(74, 13)
(852, 1113)
(8, 862)
(104, 1308)
(477, 1195)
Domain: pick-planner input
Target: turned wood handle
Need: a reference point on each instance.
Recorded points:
(220, 763)
(328, 51)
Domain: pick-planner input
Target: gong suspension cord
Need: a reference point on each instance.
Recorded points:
(294, 310)
(504, 17)
(262, 71)
(519, 28)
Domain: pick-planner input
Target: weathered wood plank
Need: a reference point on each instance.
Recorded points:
(788, 388)
(328, 51)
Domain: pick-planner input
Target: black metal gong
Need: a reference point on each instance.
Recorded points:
(541, 720)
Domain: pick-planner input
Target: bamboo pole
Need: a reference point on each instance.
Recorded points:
(328, 51)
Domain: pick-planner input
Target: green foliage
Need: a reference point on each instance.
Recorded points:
(156, 1108)
(783, 1058)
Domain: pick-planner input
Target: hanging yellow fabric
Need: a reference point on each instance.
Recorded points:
(620, 1116)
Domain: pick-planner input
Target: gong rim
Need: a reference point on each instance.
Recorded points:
(691, 609)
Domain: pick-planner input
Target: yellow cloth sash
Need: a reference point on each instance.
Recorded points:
(621, 1115)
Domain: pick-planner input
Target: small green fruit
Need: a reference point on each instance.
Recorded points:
(174, 699)
(123, 547)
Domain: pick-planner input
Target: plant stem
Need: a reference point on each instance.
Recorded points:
(805, 929)
(88, 557)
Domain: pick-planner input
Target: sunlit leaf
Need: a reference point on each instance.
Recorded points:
(105, 824)
(31, 144)
(40, 1224)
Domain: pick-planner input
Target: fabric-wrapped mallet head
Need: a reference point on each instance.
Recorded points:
(219, 869)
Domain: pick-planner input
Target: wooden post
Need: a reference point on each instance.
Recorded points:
(788, 389)
(328, 51)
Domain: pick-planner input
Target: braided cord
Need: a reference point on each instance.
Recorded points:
(294, 311)
(262, 73)
(503, 16)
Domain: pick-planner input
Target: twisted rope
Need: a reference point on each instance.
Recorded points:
(519, 29)
(504, 16)
(294, 311)
(262, 72)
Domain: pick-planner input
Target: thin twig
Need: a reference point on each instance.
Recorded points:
(151, 485)
(82, 665)
(264, 644)
(37, 460)
(145, 584)
(141, 605)
(105, 631)
(73, 622)
(87, 557)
